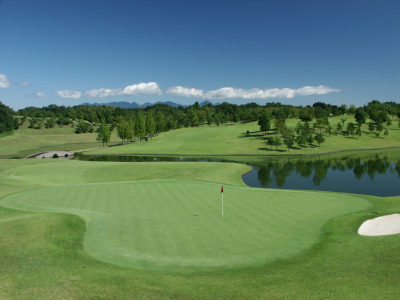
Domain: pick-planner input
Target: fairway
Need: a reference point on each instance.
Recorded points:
(177, 224)
(231, 139)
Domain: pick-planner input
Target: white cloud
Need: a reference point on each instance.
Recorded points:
(38, 95)
(100, 93)
(184, 91)
(4, 82)
(229, 92)
(150, 88)
(69, 94)
(25, 83)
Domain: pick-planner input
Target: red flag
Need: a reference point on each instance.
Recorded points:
(222, 189)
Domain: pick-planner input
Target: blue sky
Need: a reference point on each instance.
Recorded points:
(293, 52)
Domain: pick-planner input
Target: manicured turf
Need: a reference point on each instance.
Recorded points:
(232, 139)
(177, 224)
(43, 254)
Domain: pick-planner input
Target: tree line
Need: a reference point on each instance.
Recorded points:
(140, 122)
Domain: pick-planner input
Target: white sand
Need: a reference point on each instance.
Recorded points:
(385, 225)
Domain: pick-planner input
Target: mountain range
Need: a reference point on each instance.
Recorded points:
(124, 104)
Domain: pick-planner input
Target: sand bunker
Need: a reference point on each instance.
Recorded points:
(385, 225)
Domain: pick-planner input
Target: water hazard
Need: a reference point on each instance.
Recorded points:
(376, 174)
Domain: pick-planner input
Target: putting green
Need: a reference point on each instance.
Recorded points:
(177, 224)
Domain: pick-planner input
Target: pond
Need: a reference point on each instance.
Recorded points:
(370, 173)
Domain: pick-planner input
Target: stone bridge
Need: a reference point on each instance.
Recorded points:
(49, 154)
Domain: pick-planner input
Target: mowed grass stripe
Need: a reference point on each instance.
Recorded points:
(177, 225)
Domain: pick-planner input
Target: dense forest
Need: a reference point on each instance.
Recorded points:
(140, 122)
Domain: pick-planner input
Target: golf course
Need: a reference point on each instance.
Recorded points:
(74, 229)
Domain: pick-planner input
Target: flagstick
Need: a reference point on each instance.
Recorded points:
(222, 204)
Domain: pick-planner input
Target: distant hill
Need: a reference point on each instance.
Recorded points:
(124, 104)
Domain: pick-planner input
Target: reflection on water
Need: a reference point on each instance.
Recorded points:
(318, 169)
(374, 175)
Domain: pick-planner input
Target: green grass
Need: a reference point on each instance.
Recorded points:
(43, 253)
(26, 141)
(232, 139)
(177, 225)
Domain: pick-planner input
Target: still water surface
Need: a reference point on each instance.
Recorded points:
(375, 174)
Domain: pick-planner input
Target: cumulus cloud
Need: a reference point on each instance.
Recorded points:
(69, 94)
(100, 93)
(4, 82)
(150, 88)
(38, 95)
(184, 91)
(229, 92)
(25, 83)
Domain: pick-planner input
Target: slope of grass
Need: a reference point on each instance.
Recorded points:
(28, 141)
(233, 139)
(43, 255)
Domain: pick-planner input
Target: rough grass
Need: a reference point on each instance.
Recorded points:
(231, 139)
(43, 256)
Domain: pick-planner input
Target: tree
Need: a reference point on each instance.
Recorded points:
(350, 129)
(130, 131)
(160, 122)
(358, 131)
(40, 124)
(305, 116)
(301, 140)
(50, 123)
(386, 132)
(343, 120)
(265, 121)
(360, 116)
(16, 124)
(371, 127)
(277, 141)
(288, 138)
(217, 121)
(104, 133)
(150, 125)
(210, 119)
(329, 129)
(319, 139)
(82, 127)
(339, 127)
(310, 139)
(32, 122)
(194, 119)
(140, 127)
(379, 127)
(6, 119)
(270, 141)
(122, 130)
(352, 109)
